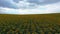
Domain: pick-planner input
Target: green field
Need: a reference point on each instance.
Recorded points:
(30, 24)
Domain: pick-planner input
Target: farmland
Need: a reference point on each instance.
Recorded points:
(30, 24)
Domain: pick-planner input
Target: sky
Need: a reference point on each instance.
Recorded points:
(29, 6)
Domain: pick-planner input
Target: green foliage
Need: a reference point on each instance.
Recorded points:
(30, 24)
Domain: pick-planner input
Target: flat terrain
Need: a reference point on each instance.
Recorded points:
(30, 24)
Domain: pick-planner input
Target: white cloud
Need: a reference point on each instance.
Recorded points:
(25, 5)
(50, 8)
(53, 7)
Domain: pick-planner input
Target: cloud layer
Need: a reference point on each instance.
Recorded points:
(29, 6)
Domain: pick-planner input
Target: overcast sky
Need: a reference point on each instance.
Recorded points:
(29, 6)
